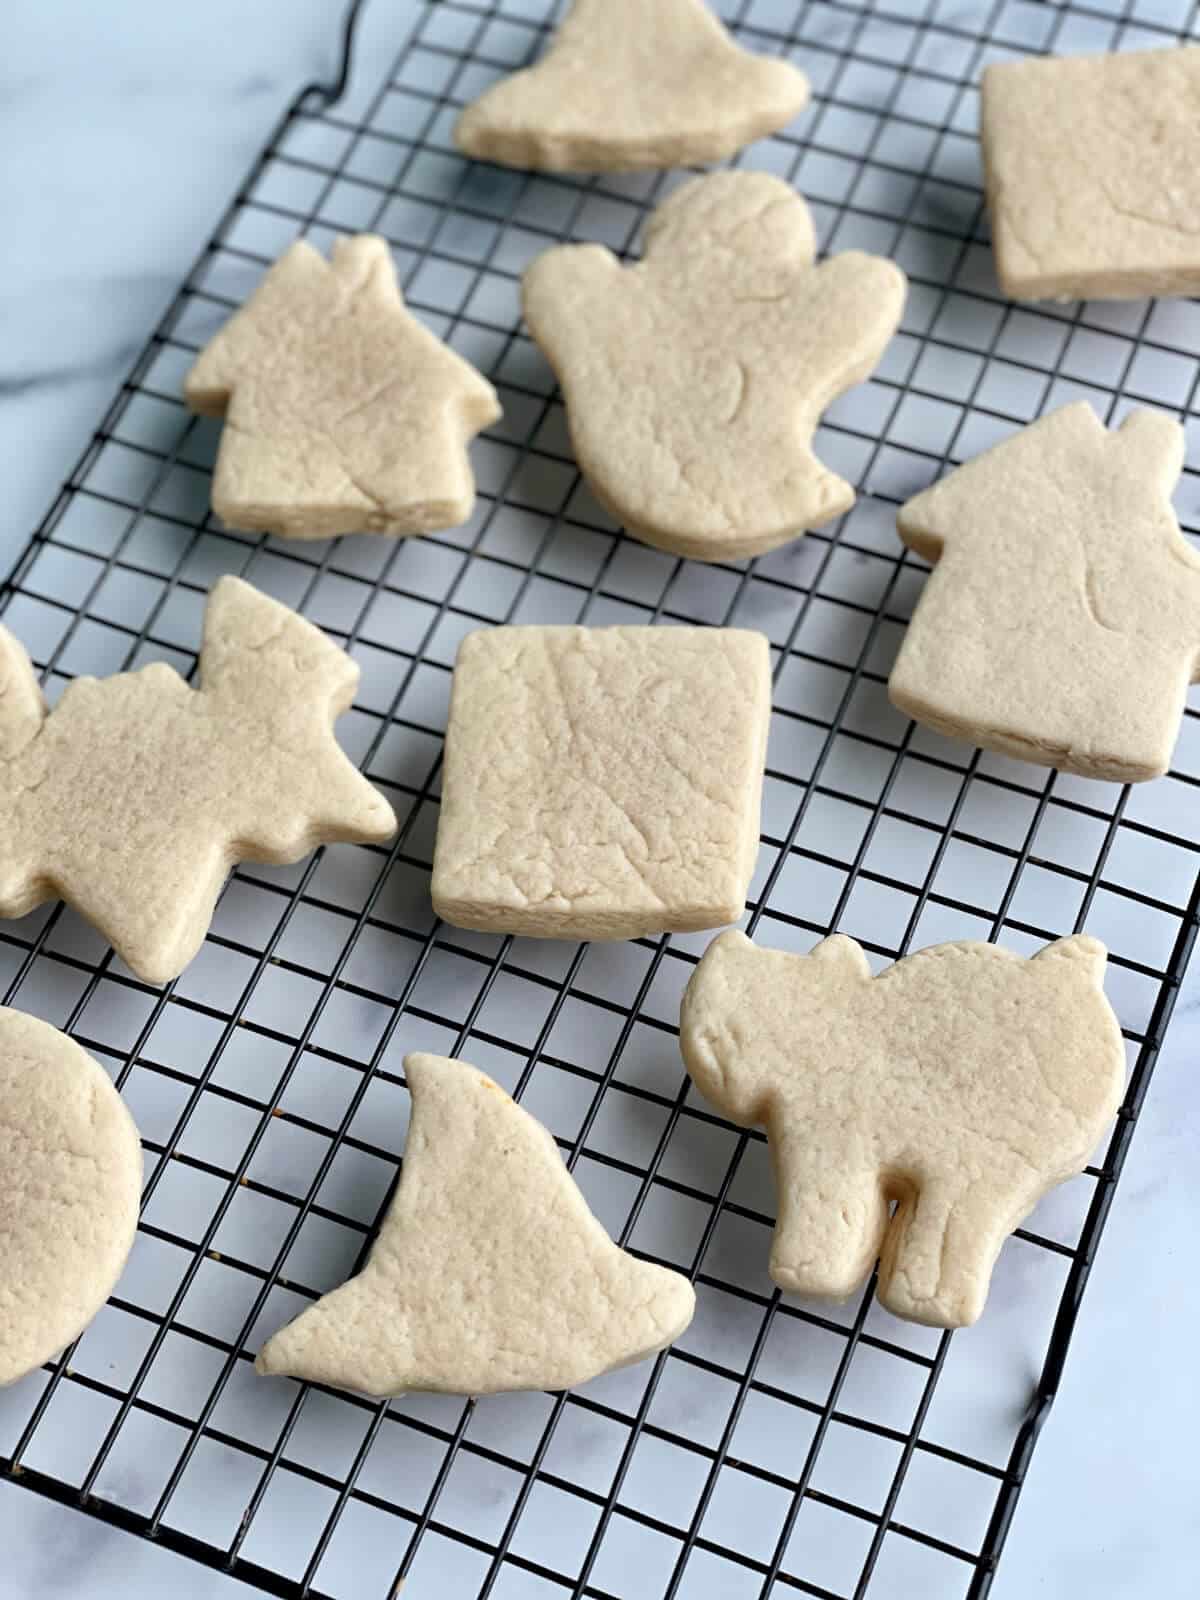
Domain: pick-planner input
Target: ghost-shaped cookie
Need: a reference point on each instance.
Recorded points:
(134, 796)
(628, 84)
(694, 380)
(342, 412)
(489, 1272)
(961, 1084)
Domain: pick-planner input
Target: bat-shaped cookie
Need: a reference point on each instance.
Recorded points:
(135, 795)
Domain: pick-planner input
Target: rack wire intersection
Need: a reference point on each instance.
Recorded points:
(780, 1446)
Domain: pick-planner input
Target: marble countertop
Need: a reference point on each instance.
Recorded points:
(102, 110)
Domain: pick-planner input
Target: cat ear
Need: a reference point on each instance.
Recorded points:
(22, 708)
(1081, 950)
(844, 954)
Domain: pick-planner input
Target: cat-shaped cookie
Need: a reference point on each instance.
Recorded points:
(962, 1084)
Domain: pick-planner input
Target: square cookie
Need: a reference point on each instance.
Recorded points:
(602, 783)
(1093, 174)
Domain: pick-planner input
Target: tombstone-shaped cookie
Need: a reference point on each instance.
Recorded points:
(343, 413)
(694, 380)
(962, 1084)
(633, 83)
(70, 1179)
(135, 795)
(1061, 623)
(489, 1272)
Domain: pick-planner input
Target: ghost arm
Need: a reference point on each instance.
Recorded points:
(567, 294)
(851, 307)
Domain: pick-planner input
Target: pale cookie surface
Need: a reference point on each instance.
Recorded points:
(70, 1180)
(1061, 623)
(963, 1083)
(627, 84)
(135, 795)
(343, 413)
(1093, 174)
(694, 380)
(489, 1272)
(602, 783)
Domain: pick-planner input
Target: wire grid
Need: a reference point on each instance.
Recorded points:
(780, 1445)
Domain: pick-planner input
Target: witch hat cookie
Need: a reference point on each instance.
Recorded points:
(627, 84)
(134, 796)
(343, 413)
(489, 1272)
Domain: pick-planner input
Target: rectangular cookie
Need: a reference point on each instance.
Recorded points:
(602, 783)
(1092, 166)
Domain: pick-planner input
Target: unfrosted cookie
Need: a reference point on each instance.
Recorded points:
(70, 1180)
(693, 381)
(489, 1272)
(136, 794)
(343, 413)
(633, 83)
(602, 783)
(1093, 174)
(962, 1084)
(1062, 621)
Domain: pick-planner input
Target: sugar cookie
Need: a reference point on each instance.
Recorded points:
(1062, 621)
(489, 1272)
(343, 413)
(602, 783)
(693, 381)
(1093, 174)
(963, 1084)
(633, 83)
(136, 794)
(70, 1181)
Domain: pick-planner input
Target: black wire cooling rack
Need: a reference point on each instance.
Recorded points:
(780, 1445)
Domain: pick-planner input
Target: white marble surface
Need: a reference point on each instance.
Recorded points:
(124, 129)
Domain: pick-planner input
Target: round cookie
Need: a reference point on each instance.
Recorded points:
(70, 1180)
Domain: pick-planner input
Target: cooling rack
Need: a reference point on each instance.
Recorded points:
(781, 1446)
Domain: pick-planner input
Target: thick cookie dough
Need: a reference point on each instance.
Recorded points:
(489, 1272)
(1093, 174)
(343, 413)
(602, 783)
(694, 380)
(135, 795)
(1061, 624)
(633, 83)
(70, 1181)
(962, 1084)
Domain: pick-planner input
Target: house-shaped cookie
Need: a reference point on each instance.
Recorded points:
(961, 1085)
(633, 83)
(1061, 624)
(343, 413)
(134, 796)
(695, 378)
